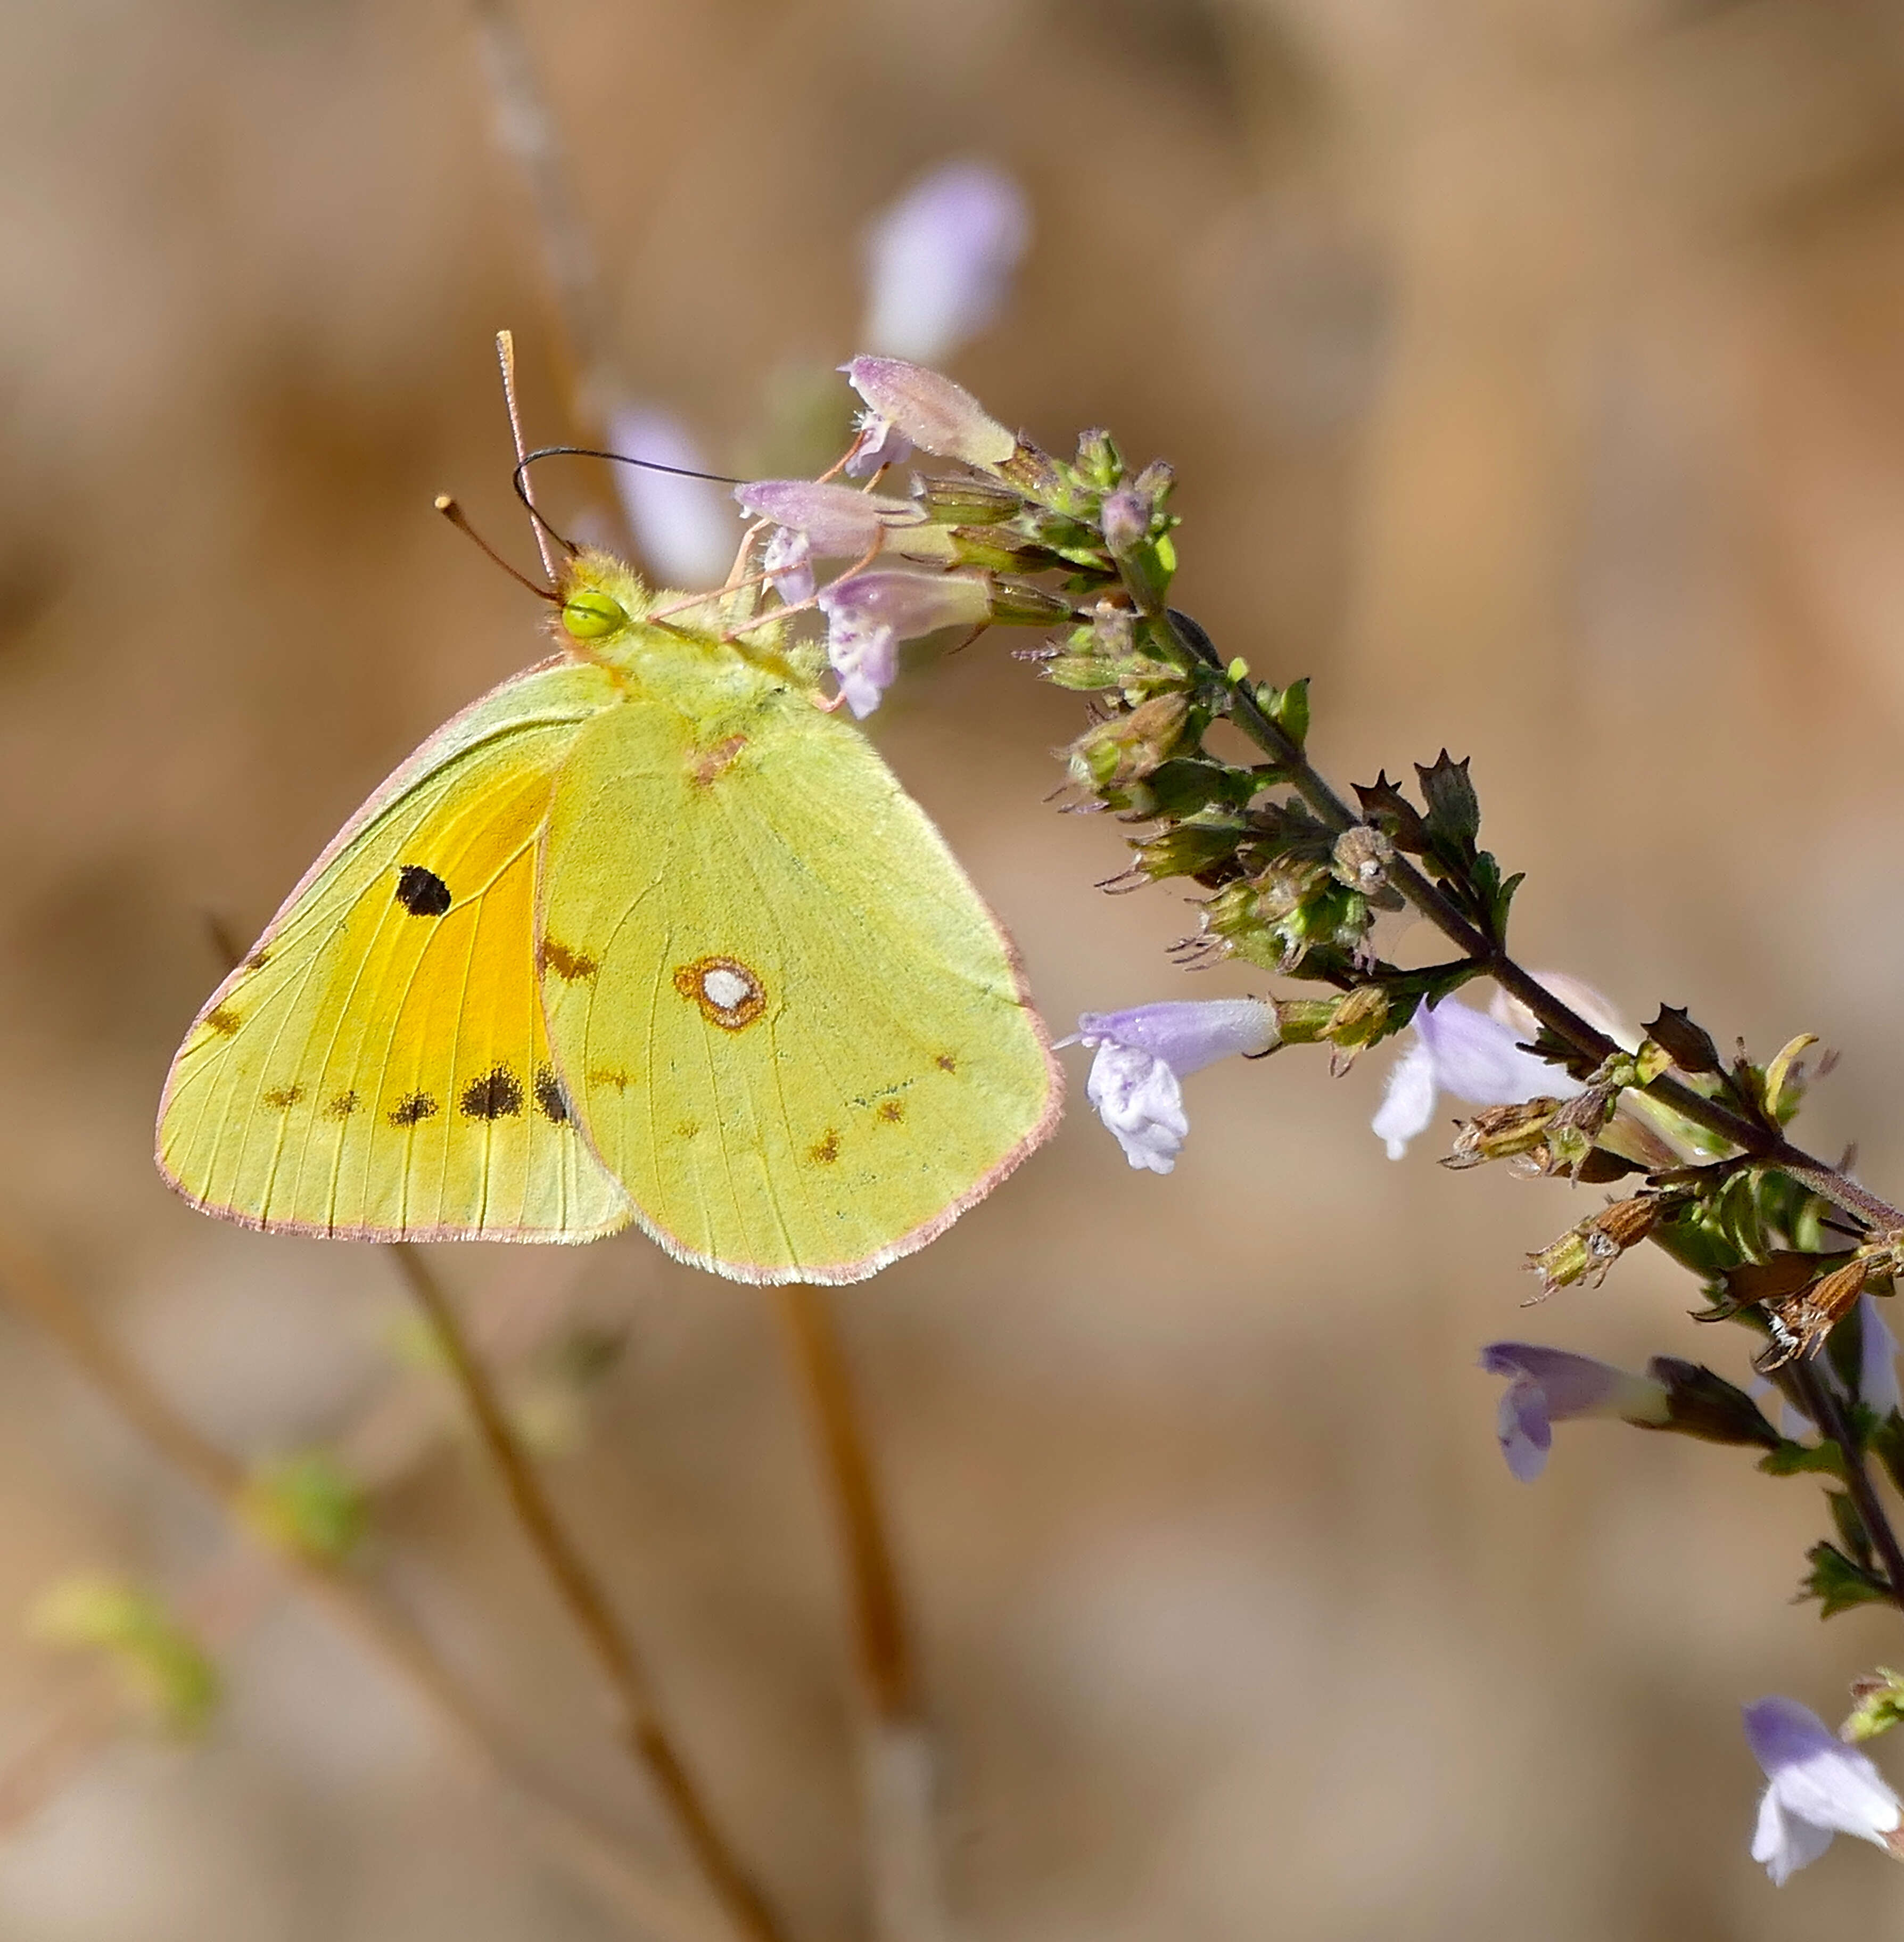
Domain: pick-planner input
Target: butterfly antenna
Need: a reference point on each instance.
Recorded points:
(458, 518)
(544, 532)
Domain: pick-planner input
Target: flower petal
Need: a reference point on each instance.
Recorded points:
(1185, 1034)
(685, 527)
(1408, 1104)
(1477, 1058)
(1815, 1787)
(1878, 1370)
(1525, 1429)
(1137, 1097)
(931, 410)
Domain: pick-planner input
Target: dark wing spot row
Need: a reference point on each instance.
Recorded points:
(413, 1109)
(550, 1099)
(496, 1096)
(569, 966)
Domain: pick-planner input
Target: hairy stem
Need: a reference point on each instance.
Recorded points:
(36, 1294)
(586, 1603)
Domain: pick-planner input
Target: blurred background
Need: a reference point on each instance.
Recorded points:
(1533, 372)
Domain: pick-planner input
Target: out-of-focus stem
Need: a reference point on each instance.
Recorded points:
(1822, 1404)
(34, 1292)
(582, 1596)
(895, 1752)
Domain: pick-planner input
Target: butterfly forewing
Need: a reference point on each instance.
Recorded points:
(378, 1066)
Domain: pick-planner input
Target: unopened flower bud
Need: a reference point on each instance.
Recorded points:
(1191, 848)
(935, 414)
(1128, 747)
(1099, 462)
(1877, 1705)
(1126, 520)
(840, 522)
(971, 501)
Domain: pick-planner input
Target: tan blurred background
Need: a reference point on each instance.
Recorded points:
(1535, 371)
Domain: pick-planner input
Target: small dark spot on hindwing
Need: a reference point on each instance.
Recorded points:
(341, 1106)
(569, 965)
(422, 892)
(946, 1062)
(496, 1096)
(224, 1021)
(281, 1099)
(827, 1151)
(413, 1109)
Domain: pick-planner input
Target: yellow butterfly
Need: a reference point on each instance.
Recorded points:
(642, 935)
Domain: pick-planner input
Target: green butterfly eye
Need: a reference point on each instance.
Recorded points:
(590, 616)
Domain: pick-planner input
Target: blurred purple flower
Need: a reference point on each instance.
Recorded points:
(867, 615)
(1878, 1364)
(685, 527)
(940, 260)
(1815, 1787)
(1459, 1050)
(1549, 1385)
(1144, 1052)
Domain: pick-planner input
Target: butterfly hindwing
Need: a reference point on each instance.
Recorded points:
(378, 1065)
(791, 1028)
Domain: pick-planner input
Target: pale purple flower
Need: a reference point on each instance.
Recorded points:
(867, 615)
(1549, 1385)
(1459, 1050)
(788, 562)
(813, 520)
(1143, 1054)
(685, 527)
(1878, 1364)
(1815, 1787)
(940, 260)
(877, 443)
(928, 409)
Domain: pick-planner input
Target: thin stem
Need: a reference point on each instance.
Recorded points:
(582, 1596)
(36, 1294)
(896, 1750)
(1566, 1025)
(883, 1649)
(1822, 1404)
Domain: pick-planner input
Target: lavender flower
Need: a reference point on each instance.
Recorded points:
(867, 615)
(682, 526)
(1551, 1385)
(814, 520)
(1878, 1364)
(1143, 1054)
(1815, 1787)
(1459, 1050)
(928, 409)
(941, 259)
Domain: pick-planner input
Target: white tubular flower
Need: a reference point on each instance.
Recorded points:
(1878, 1364)
(1145, 1053)
(685, 528)
(940, 260)
(1815, 1787)
(1459, 1050)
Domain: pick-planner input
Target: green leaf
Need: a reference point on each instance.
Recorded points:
(1798, 1459)
(1838, 1584)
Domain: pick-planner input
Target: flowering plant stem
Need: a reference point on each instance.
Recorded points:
(1491, 957)
(582, 1596)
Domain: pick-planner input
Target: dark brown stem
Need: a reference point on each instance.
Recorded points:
(1566, 1025)
(1821, 1404)
(582, 1596)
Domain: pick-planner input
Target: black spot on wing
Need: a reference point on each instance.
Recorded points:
(422, 892)
(413, 1109)
(496, 1096)
(550, 1099)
